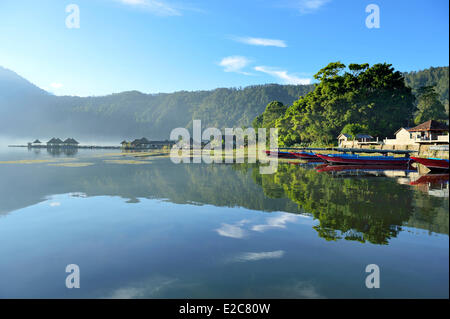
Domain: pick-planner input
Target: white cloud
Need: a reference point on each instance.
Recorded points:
(234, 64)
(160, 8)
(55, 204)
(282, 75)
(233, 231)
(275, 222)
(262, 41)
(244, 257)
(56, 85)
(310, 6)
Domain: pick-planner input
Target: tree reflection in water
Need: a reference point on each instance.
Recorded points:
(353, 208)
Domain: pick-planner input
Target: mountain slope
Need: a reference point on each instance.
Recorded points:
(30, 113)
(437, 77)
(27, 111)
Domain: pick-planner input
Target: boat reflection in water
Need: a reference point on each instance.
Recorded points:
(433, 184)
(365, 170)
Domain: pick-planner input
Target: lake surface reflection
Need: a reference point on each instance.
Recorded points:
(143, 227)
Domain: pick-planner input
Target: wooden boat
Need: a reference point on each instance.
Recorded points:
(280, 154)
(432, 163)
(340, 168)
(306, 156)
(365, 160)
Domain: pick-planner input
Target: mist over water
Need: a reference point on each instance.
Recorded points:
(5, 141)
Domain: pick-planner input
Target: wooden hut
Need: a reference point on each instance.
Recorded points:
(55, 142)
(70, 142)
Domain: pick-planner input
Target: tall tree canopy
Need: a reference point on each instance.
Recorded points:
(429, 107)
(375, 98)
(354, 129)
(273, 111)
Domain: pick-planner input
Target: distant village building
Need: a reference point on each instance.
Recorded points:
(347, 140)
(160, 144)
(430, 132)
(140, 143)
(364, 138)
(343, 139)
(35, 143)
(56, 142)
(144, 143)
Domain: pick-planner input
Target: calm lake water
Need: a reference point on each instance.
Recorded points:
(154, 229)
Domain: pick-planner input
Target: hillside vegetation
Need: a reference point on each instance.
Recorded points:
(28, 111)
(358, 98)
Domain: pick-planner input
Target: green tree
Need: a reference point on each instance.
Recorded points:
(354, 129)
(376, 98)
(274, 110)
(429, 107)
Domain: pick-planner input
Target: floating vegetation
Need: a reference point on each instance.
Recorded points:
(26, 161)
(72, 164)
(136, 154)
(135, 162)
(109, 154)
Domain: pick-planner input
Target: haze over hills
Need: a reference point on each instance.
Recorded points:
(28, 111)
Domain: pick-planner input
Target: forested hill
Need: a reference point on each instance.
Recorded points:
(131, 114)
(437, 77)
(27, 111)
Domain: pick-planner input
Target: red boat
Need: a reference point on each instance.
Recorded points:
(280, 154)
(432, 163)
(365, 160)
(306, 156)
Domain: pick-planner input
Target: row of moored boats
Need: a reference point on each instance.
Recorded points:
(344, 158)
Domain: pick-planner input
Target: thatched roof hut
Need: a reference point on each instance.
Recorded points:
(71, 141)
(55, 141)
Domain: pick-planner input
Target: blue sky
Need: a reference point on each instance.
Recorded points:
(171, 45)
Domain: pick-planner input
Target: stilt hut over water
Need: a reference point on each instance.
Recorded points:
(55, 142)
(70, 142)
